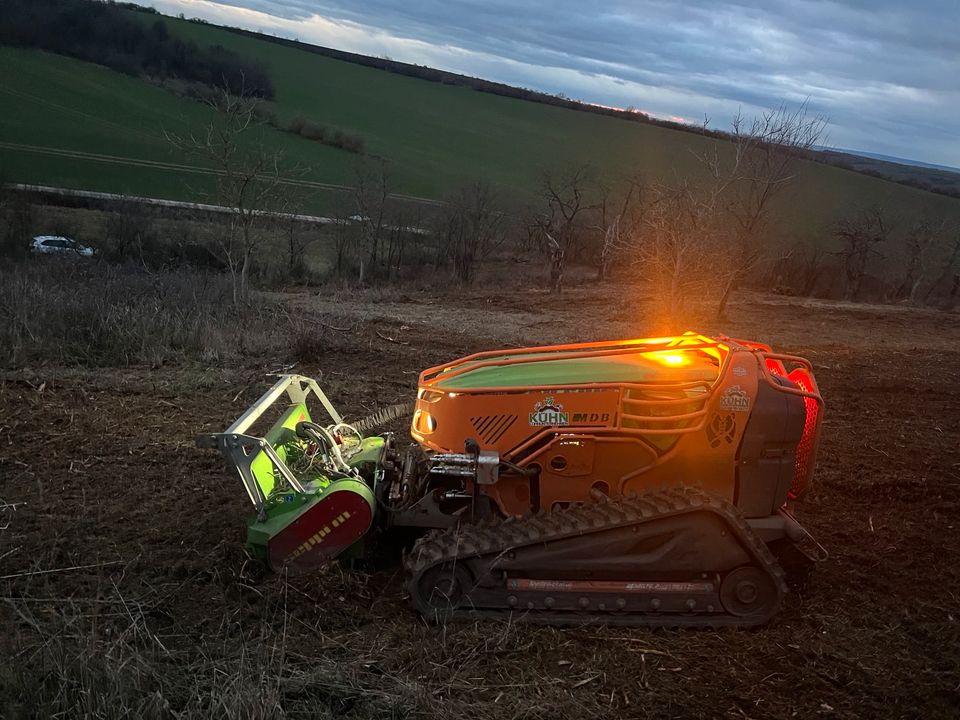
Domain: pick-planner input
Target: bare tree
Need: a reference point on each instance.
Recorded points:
(296, 241)
(617, 220)
(343, 236)
(703, 237)
(470, 226)
(763, 162)
(371, 190)
(19, 218)
(560, 224)
(921, 240)
(809, 262)
(558, 262)
(396, 244)
(248, 179)
(129, 232)
(860, 234)
(677, 241)
(947, 268)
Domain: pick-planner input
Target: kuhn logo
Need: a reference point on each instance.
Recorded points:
(548, 413)
(734, 399)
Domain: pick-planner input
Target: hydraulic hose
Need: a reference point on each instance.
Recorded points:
(323, 436)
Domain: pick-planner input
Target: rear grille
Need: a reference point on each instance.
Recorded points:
(491, 428)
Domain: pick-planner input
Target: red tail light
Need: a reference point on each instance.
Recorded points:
(805, 450)
(775, 367)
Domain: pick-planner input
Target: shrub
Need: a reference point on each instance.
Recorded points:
(328, 136)
(91, 313)
(18, 220)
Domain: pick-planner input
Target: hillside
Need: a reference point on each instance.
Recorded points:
(938, 178)
(80, 125)
(434, 136)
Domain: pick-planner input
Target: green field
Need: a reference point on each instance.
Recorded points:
(434, 136)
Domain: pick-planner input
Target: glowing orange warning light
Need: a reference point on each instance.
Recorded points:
(670, 359)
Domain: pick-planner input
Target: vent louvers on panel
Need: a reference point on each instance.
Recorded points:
(491, 428)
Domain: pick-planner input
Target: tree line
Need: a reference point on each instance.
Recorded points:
(700, 237)
(108, 34)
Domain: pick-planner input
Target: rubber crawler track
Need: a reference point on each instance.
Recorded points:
(473, 541)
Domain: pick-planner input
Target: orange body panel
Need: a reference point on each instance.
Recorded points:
(681, 425)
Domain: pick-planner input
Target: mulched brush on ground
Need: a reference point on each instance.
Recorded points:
(126, 589)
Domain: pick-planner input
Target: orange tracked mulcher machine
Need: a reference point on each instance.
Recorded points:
(636, 482)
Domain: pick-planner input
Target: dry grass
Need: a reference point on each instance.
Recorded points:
(94, 314)
(102, 657)
(112, 655)
(183, 625)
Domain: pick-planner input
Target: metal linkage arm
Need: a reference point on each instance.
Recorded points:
(298, 389)
(240, 452)
(241, 449)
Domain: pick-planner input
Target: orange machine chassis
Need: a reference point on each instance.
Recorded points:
(619, 437)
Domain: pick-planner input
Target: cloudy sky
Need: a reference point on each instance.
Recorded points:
(886, 73)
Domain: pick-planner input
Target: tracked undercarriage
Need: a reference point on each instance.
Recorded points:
(671, 557)
(636, 482)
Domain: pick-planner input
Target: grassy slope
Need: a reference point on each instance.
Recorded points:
(434, 136)
(61, 103)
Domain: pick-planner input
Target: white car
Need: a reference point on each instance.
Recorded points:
(59, 245)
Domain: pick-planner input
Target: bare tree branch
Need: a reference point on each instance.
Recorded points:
(248, 179)
(859, 234)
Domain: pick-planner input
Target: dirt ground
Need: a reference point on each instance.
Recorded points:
(120, 534)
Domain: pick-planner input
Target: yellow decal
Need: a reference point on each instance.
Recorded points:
(318, 537)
